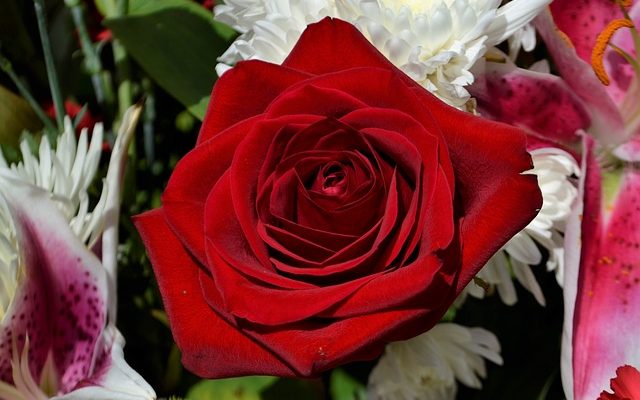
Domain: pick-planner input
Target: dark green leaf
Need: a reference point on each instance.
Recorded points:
(345, 387)
(176, 42)
(15, 116)
(286, 388)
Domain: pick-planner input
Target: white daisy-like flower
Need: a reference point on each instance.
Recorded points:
(435, 42)
(428, 366)
(524, 38)
(9, 262)
(67, 172)
(554, 168)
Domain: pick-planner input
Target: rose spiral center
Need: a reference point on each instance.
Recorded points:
(332, 178)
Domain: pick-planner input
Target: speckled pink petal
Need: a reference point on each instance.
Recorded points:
(60, 303)
(583, 20)
(618, 69)
(531, 100)
(605, 319)
(607, 124)
(113, 378)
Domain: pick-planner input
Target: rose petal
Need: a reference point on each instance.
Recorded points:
(228, 105)
(210, 346)
(329, 39)
(494, 199)
(186, 193)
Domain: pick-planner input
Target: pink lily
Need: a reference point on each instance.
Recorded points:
(57, 326)
(602, 239)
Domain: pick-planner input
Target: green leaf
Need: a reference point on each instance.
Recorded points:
(288, 388)
(15, 116)
(344, 387)
(176, 42)
(246, 388)
(611, 184)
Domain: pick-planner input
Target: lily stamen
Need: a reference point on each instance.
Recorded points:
(602, 41)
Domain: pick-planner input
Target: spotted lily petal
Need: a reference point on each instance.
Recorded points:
(602, 281)
(530, 100)
(607, 122)
(60, 302)
(113, 377)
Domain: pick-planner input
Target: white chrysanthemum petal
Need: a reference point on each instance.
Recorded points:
(522, 248)
(525, 276)
(435, 42)
(511, 17)
(67, 172)
(555, 170)
(427, 366)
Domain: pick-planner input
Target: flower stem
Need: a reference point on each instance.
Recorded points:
(54, 84)
(93, 64)
(6, 66)
(123, 68)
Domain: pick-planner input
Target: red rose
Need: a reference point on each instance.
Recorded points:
(330, 206)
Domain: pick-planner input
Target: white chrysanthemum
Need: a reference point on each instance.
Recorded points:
(66, 172)
(427, 366)
(435, 42)
(524, 38)
(554, 169)
(9, 262)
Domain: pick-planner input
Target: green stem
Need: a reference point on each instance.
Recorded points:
(54, 85)
(6, 66)
(92, 62)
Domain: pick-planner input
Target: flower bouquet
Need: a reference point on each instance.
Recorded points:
(320, 199)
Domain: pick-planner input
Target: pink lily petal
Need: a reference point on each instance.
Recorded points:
(629, 151)
(113, 378)
(618, 69)
(530, 100)
(583, 20)
(60, 304)
(573, 242)
(604, 324)
(607, 123)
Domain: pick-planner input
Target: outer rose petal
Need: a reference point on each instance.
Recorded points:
(210, 346)
(228, 105)
(329, 39)
(530, 100)
(486, 189)
(60, 304)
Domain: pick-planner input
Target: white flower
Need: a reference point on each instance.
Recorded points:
(524, 38)
(435, 42)
(427, 366)
(67, 172)
(554, 168)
